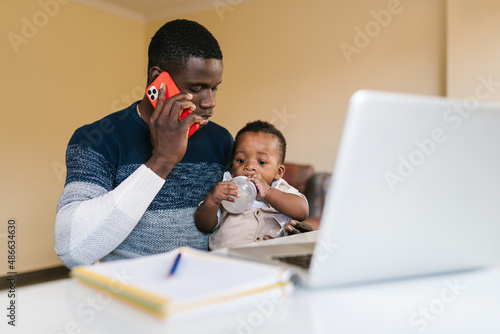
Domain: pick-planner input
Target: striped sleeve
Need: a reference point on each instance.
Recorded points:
(92, 218)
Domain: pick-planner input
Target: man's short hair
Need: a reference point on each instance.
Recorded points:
(262, 126)
(177, 41)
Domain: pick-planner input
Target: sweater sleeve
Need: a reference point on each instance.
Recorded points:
(92, 218)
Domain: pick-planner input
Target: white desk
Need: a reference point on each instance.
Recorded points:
(425, 305)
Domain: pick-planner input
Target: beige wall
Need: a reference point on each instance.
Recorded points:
(473, 49)
(283, 63)
(67, 73)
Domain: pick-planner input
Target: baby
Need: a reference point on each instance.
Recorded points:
(259, 154)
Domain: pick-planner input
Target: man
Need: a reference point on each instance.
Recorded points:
(133, 191)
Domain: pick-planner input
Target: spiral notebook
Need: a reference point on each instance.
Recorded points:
(201, 279)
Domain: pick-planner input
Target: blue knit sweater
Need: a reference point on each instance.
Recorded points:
(114, 207)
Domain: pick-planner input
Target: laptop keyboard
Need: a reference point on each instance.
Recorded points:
(302, 261)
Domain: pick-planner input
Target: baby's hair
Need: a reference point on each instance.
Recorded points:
(262, 126)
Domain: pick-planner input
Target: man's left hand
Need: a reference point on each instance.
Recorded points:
(296, 227)
(293, 227)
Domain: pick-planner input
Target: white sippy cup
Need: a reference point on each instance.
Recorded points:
(248, 192)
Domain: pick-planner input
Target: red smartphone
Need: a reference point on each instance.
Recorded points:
(170, 90)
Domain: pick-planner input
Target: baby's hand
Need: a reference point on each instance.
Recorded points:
(222, 191)
(260, 184)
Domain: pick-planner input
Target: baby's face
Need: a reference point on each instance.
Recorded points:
(257, 152)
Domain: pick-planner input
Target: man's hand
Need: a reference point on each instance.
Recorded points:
(222, 191)
(294, 227)
(169, 135)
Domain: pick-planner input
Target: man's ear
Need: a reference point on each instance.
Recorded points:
(153, 73)
(280, 172)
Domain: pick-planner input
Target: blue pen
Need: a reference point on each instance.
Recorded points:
(174, 266)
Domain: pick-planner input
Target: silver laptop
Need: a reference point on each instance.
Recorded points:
(415, 191)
